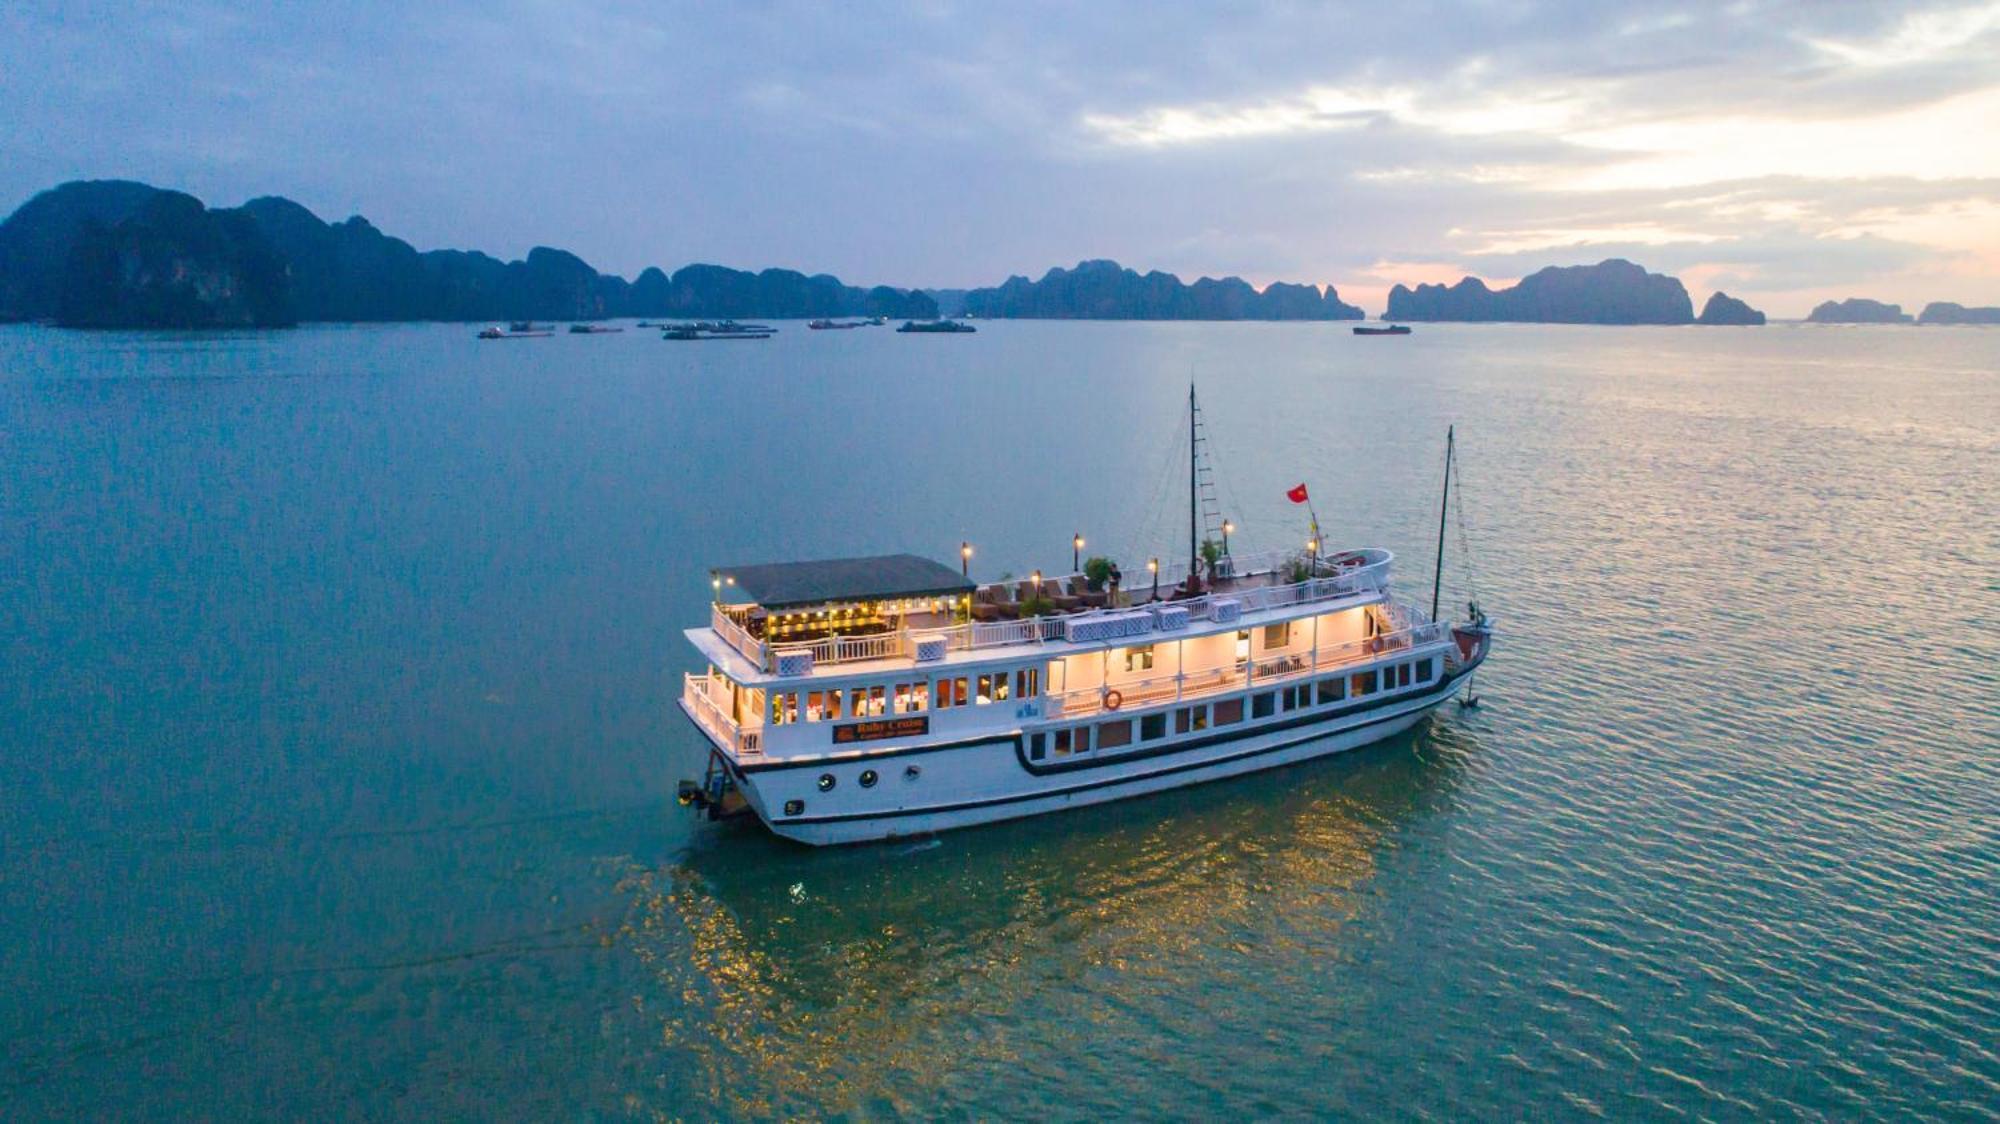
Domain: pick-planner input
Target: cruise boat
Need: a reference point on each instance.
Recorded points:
(862, 699)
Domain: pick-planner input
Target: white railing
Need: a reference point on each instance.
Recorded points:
(735, 636)
(848, 649)
(711, 711)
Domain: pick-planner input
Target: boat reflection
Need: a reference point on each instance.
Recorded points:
(821, 980)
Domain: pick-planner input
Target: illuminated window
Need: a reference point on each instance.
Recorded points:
(784, 708)
(1362, 683)
(1028, 682)
(1190, 719)
(904, 699)
(1228, 712)
(1139, 658)
(1277, 635)
(877, 701)
(815, 706)
(832, 705)
(920, 697)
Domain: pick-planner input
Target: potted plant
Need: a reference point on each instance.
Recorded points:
(1097, 572)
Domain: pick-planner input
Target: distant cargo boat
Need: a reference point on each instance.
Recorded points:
(591, 330)
(692, 333)
(1391, 330)
(944, 326)
(836, 325)
(497, 333)
(870, 698)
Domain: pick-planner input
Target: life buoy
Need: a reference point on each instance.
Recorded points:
(1113, 700)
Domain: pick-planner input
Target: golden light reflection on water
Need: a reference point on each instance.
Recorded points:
(852, 980)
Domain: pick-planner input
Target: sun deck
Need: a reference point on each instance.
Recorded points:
(849, 614)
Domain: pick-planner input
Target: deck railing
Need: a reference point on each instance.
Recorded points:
(736, 636)
(712, 711)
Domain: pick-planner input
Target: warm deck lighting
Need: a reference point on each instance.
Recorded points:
(1153, 564)
(965, 559)
(1227, 529)
(1076, 553)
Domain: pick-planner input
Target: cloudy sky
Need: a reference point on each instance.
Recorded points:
(1783, 152)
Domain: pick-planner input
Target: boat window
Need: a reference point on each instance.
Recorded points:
(1293, 696)
(920, 696)
(1402, 675)
(1139, 658)
(784, 707)
(903, 698)
(1063, 742)
(1000, 687)
(1332, 690)
(950, 692)
(877, 701)
(1228, 712)
(1028, 682)
(1153, 726)
(1190, 719)
(826, 782)
(1424, 669)
(1277, 635)
(992, 689)
(1111, 735)
(794, 807)
(1362, 683)
(1264, 705)
(815, 706)
(868, 778)
(832, 705)
(1038, 746)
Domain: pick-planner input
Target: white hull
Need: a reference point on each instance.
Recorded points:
(988, 780)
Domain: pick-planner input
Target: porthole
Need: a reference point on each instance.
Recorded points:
(794, 807)
(867, 778)
(826, 782)
(913, 772)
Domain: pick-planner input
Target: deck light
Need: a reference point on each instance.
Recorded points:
(1076, 553)
(1227, 528)
(965, 559)
(715, 580)
(1153, 564)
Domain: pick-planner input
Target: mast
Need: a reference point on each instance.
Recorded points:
(1444, 505)
(1194, 458)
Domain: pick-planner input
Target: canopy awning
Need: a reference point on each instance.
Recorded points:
(887, 577)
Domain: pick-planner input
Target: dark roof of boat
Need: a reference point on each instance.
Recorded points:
(783, 585)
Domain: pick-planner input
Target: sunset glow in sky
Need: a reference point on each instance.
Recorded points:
(1784, 152)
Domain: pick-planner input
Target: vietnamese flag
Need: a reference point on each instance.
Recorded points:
(1297, 495)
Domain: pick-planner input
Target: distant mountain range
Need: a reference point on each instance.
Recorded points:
(1105, 290)
(119, 254)
(116, 254)
(1610, 292)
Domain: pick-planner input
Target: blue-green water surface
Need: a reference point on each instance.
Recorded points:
(339, 743)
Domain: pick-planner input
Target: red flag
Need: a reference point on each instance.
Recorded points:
(1297, 495)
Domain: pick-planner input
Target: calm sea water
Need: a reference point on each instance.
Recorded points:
(339, 743)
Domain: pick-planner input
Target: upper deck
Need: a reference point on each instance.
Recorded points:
(918, 617)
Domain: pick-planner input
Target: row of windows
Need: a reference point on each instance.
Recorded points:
(1072, 740)
(882, 700)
